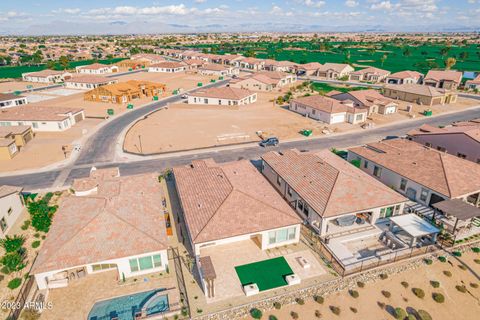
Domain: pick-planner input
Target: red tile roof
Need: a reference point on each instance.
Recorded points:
(230, 199)
(322, 103)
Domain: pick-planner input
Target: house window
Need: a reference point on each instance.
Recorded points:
(9, 211)
(359, 117)
(300, 205)
(3, 224)
(205, 100)
(105, 266)
(289, 191)
(403, 184)
(377, 172)
(386, 212)
(365, 164)
(145, 263)
(35, 125)
(397, 209)
(424, 195)
(313, 111)
(279, 180)
(282, 235)
(461, 155)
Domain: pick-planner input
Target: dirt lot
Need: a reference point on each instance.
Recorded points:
(99, 109)
(46, 147)
(12, 86)
(185, 126)
(368, 305)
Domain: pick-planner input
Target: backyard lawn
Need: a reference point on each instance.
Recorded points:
(267, 274)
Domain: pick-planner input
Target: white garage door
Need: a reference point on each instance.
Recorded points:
(337, 118)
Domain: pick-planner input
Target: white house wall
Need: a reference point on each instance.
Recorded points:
(14, 203)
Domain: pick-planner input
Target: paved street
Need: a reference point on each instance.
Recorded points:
(102, 145)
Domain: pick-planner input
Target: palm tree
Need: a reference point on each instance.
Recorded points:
(383, 58)
(450, 62)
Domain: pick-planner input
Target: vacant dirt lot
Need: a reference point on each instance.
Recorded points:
(184, 126)
(12, 86)
(372, 303)
(46, 147)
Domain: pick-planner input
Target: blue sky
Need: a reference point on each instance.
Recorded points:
(51, 15)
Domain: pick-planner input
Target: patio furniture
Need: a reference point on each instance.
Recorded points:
(81, 273)
(292, 279)
(251, 289)
(303, 262)
(346, 221)
(58, 280)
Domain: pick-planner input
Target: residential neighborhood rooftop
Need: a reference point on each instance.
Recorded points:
(417, 89)
(94, 79)
(441, 172)
(329, 184)
(223, 93)
(6, 190)
(229, 199)
(322, 103)
(470, 131)
(36, 113)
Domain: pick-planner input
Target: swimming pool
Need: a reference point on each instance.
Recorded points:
(125, 307)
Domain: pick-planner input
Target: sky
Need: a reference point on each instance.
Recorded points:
(143, 16)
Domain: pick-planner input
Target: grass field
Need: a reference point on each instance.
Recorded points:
(420, 58)
(267, 274)
(16, 71)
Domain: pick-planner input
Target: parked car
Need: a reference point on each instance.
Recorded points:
(184, 96)
(273, 141)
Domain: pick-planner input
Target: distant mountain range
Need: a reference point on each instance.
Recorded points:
(152, 27)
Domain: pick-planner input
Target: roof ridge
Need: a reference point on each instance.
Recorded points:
(445, 174)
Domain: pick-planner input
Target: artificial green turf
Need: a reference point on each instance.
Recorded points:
(267, 274)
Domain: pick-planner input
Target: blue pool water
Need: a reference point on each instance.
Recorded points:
(125, 307)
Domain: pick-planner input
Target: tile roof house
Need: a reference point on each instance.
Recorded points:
(8, 100)
(328, 110)
(97, 68)
(41, 118)
(147, 58)
(460, 141)
(420, 94)
(264, 81)
(370, 74)
(224, 96)
(422, 174)
(168, 67)
(88, 81)
(473, 84)
(12, 139)
(228, 202)
(308, 69)
(11, 207)
(443, 79)
(46, 76)
(369, 99)
(404, 77)
(119, 226)
(334, 71)
(219, 70)
(323, 187)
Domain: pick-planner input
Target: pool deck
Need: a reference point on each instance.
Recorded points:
(76, 300)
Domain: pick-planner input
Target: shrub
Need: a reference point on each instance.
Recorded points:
(438, 297)
(12, 244)
(277, 305)
(461, 288)
(474, 285)
(400, 314)
(383, 276)
(12, 262)
(411, 317)
(319, 299)
(272, 317)
(457, 253)
(442, 259)
(41, 213)
(318, 314)
(354, 310)
(199, 310)
(418, 292)
(381, 305)
(353, 293)
(30, 314)
(476, 249)
(14, 283)
(404, 284)
(35, 244)
(435, 284)
(386, 294)
(256, 313)
(37, 235)
(447, 273)
(477, 261)
(294, 315)
(462, 267)
(25, 225)
(335, 310)
(423, 315)
(300, 301)
(361, 284)
(428, 261)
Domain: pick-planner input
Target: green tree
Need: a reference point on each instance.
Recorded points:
(450, 62)
(12, 244)
(383, 58)
(64, 62)
(50, 64)
(13, 262)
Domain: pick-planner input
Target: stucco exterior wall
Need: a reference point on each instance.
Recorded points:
(11, 207)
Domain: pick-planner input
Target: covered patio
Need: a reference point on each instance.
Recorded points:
(458, 217)
(412, 230)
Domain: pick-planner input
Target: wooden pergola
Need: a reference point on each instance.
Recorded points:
(457, 208)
